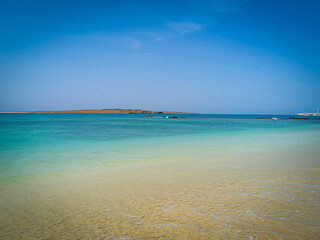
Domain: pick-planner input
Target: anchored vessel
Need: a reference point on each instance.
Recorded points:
(310, 114)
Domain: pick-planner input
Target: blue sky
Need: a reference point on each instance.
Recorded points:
(212, 56)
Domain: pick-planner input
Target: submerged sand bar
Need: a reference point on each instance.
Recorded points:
(256, 191)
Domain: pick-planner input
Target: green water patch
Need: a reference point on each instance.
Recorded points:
(36, 145)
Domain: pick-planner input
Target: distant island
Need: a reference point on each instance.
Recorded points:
(110, 111)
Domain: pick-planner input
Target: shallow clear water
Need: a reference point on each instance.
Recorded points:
(45, 143)
(100, 176)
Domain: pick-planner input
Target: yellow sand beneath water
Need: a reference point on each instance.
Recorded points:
(225, 198)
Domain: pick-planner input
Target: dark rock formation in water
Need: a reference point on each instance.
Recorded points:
(298, 118)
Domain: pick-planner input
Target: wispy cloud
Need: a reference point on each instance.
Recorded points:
(158, 39)
(185, 27)
(135, 43)
(152, 36)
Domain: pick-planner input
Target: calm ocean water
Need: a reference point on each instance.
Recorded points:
(100, 176)
(33, 144)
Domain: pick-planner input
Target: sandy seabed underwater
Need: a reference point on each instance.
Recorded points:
(125, 177)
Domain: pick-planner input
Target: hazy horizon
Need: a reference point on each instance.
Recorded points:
(160, 110)
(211, 56)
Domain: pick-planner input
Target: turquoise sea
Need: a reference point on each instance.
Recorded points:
(36, 144)
(109, 176)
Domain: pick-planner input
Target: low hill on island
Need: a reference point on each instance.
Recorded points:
(110, 111)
